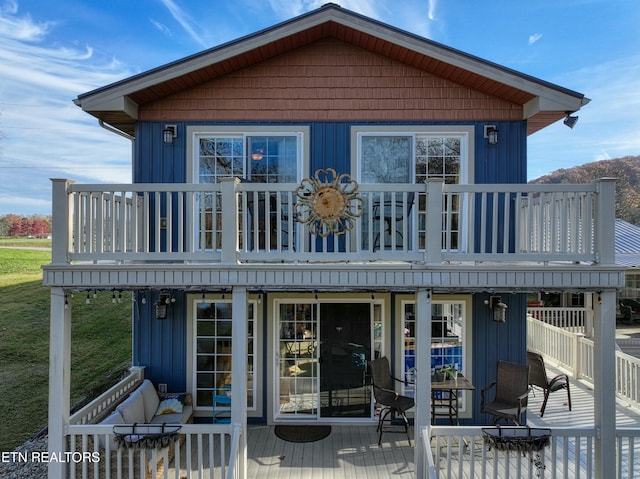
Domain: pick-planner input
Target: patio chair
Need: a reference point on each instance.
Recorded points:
(385, 396)
(511, 393)
(388, 216)
(538, 377)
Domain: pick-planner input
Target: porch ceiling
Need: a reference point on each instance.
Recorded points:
(337, 277)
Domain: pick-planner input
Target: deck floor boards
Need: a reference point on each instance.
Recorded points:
(349, 451)
(352, 451)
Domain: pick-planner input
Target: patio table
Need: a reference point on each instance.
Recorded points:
(444, 394)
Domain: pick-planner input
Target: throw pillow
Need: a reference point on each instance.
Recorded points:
(170, 405)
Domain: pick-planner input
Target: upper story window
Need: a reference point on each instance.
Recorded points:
(412, 154)
(273, 154)
(260, 154)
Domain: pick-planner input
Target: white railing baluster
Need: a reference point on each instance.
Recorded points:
(143, 221)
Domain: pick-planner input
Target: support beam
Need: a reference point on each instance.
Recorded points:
(423, 375)
(59, 379)
(604, 384)
(229, 219)
(239, 373)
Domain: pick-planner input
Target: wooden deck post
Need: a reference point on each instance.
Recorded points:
(61, 221)
(422, 389)
(239, 373)
(59, 380)
(604, 384)
(229, 200)
(606, 220)
(433, 248)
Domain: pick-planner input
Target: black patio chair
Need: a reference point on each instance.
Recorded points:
(389, 214)
(538, 377)
(385, 395)
(511, 393)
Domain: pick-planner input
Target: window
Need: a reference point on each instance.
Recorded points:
(212, 351)
(450, 346)
(259, 154)
(415, 154)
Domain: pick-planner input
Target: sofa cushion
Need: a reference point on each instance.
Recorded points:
(114, 418)
(175, 418)
(132, 408)
(150, 399)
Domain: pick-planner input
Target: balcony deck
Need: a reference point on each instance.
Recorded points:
(467, 236)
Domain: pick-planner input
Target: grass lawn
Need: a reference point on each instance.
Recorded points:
(100, 337)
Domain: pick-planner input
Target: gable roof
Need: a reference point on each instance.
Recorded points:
(543, 103)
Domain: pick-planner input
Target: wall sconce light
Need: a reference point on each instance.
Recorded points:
(491, 134)
(165, 302)
(499, 309)
(570, 121)
(169, 133)
(257, 155)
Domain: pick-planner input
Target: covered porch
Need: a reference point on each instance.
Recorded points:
(101, 242)
(353, 451)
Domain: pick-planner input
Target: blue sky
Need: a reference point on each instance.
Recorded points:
(50, 52)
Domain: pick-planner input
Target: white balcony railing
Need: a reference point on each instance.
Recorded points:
(235, 221)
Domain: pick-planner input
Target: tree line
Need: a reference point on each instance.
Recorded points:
(33, 226)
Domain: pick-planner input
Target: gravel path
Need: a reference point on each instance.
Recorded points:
(23, 462)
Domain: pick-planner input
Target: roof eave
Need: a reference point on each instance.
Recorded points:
(548, 97)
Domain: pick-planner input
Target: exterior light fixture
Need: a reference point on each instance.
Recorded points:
(570, 121)
(164, 303)
(491, 134)
(499, 309)
(169, 133)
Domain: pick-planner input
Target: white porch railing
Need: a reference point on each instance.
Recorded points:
(233, 221)
(202, 450)
(574, 320)
(104, 403)
(574, 353)
(460, 452)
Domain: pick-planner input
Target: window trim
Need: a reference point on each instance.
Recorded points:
(191, 350)
(465, 132)
(194, 132)
(467, 343)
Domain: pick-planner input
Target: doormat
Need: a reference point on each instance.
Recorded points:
(302, 433)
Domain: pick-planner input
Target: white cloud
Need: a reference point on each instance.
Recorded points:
(43, 133)
(534, 38)
(161, 27)
(186, 22)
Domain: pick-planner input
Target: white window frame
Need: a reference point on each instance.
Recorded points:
(195, 132)
(467, 159)
(381, 301)
(206, 411)
(466, 339)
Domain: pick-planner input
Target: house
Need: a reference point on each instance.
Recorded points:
(317, 194)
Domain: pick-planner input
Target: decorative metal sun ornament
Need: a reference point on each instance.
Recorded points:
(328, 203)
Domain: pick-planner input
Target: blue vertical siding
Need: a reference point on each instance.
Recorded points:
(506, 161)
(496, 341)
(161, 345)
